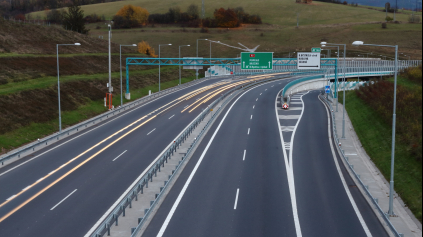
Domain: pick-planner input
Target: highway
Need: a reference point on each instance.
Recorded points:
(64, 189)
(248, 178)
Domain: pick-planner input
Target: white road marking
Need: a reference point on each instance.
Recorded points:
(254, 106)
(63, 200)
(11, 197)
(265, 90)
(357, 211)
(186, 106)
(236, 199)
(287, 128)
(261, 93)
(251, 117)
(119, 155)
(245, 153)
(40, 180)
(291, 181)
(151, 132)
(288, 116)
(257, 99)
(26, 187)
(248, 132)
(184, 189)
(172, 116)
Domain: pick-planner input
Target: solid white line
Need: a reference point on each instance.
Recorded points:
(172, 116)
(26, 188)
(182, 193)
(236, 199)
(11, 197)
(119, 155)
(124, 113)
(40, 180)
(63, 200)
(245, 153)
(248, 132)
(357, 211)
(293, 134)
(290, 175)
(151, 132)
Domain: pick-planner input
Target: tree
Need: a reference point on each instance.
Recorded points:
(193, 12)
(74, 19)
(120, 22)
(145, 48)
(226, 18)
(174, 14)
(134, 14)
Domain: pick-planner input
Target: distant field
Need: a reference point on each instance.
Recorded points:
(278, 12)
(272, 38)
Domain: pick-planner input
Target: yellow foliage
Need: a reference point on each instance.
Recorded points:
(134, 13)
(145, 48)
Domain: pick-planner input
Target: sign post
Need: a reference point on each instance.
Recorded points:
(310, 61)
(327, 89)
(256, 61)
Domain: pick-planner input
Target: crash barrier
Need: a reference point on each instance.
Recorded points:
(42, 143)
(337, 141)
(151, 171)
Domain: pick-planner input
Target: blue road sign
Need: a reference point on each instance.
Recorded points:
(327, 89)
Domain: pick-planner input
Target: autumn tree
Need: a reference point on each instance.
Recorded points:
(145, 48)
(226, 18)
(134, 14)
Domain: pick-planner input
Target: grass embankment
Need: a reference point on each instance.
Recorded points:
(31, 132)
(375, 132)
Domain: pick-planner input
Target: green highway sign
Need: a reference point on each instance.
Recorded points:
(316, 50)
(256, 61)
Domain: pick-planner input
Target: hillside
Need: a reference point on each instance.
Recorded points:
(277, 12)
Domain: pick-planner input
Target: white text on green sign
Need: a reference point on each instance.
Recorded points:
(256, 61)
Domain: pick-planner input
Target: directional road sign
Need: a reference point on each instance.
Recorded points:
(308, 61)
(327, 89)
(259, 61)
(316, 50)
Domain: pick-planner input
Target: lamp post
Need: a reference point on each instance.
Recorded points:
(180, 61)
(160, 62)
(196, 74)
(58, 83)
(120, 59)
(336, 79)
(110, 59)
(394, 117)
(344, 80)
(210, 48)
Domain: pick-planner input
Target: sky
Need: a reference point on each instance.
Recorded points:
(409, 4)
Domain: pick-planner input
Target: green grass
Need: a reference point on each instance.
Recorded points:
(45, 82)
(375, 136)
(279, 12)
(34, 131)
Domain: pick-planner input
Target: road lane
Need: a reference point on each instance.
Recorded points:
(324, 207)
(263, 205)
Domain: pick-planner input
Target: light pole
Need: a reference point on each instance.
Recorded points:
(394, 118)
(110, 59)
(210, 48)
(160, 62)
(336, 79)
(196, 74)
(180, 80)
(120, 59)
(58, 83)
(344, 80)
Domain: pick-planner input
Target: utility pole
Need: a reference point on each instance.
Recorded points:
(203, 10)
(298, 20)
(395, 10)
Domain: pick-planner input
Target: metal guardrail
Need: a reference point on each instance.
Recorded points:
(351, 167)
(42, 143)
(112, 217)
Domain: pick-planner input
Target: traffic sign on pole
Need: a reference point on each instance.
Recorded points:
(327, 89)
(308, 61)
(261, 61)
(316, 50)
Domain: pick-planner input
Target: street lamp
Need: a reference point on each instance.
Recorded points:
(58, 82)
(180, 83)
(160, 62)
(210, 48)
(196, 74)
(345, 61)
(394, 117)
(120, 59)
